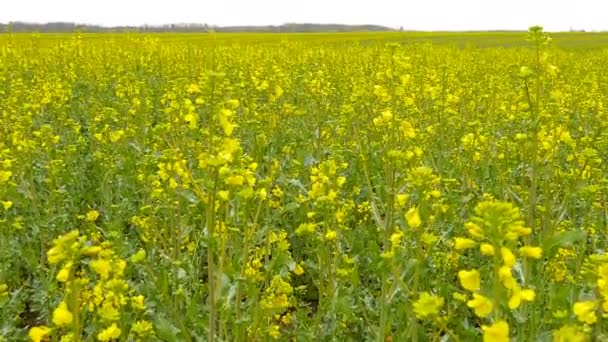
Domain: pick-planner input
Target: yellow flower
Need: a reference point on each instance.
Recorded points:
(91, 251)
(287, 319)
(585, 311)
(470, 280)
(435, 193)
(7, 204)
(474, 230)
(108, 312)
(298, 270)
(139, 256)
(387, 255)
(525, 72)
(497, 332)
(463, 243)
(235, 180)
(142, 329)
(402, 199)
(559, 314)
(119, 267)
(306, 228)
(481, 305)
(92, 215)
(486, 249)
(506, 277)
(570, 333)
(396, 238)
(459, 296)
(331, 235)
(507, 257)
(64, 273)
(137, 303)
(5, 175)
(193, 89)
(38, 334)
(101, 267)
(528, 295)
(110, 333)
(274, 331)
(427, 305)
(518, 295)
(62, 316)
(514, 301)
(413, 218)
(407, 129)
(56, 254)
(69, 337)
(224, 195)
(428, 238)
(531, 252)
(67, 239)
(262, 194)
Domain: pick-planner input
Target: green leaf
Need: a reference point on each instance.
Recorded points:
(166, 331)
(564, 239)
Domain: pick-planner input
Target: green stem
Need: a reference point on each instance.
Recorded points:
(210, 218)
(75, 302)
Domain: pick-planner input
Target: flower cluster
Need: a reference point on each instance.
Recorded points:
(97, 294)
(494, 231)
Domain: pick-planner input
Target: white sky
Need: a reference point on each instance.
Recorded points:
(556, 15)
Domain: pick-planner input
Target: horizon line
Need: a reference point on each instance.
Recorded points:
(249, 26)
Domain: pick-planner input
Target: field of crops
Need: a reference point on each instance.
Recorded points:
(304, 187)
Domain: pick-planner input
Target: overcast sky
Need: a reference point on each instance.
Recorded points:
(554, 15)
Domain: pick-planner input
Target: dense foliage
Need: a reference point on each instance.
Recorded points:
(303, 187)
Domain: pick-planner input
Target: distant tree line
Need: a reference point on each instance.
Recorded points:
(58, 27)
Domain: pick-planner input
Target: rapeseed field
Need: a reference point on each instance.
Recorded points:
(304, 187)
